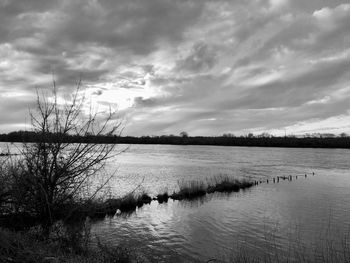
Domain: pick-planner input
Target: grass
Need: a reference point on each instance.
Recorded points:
(195, 189)
(228, 184)
(25, 247)
(163, 197)
(125, 204)
(189, 190)
(143, 199)
(99, 209)
(131, 201)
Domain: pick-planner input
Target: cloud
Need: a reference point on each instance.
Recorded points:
(14, 107)
(317, 80)
(141, 102)
(131, 26)
(201, 58)
(84, 37)
(206, 67)
(97, 92)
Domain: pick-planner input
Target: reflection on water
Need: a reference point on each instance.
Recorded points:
(301, 214)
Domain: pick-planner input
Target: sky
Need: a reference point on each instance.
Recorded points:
(207, 67)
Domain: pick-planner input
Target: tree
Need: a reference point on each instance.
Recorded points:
(184, 134)
(343, 135)
(250, 135)
(53, 171)
(264, 135)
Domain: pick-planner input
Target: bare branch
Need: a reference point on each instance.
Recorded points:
(55, 169)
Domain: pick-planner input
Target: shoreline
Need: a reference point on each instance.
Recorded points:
(241, 141)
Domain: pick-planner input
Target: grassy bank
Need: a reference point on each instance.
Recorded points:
(190, 190)
(187, 191)
(228, 184)
(77, 210)
(72, 247)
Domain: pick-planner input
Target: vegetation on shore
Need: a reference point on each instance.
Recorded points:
(98, 208)
(49, 182)
(308, 141)
(187, 191)
(66, 246)
(161, 198)
(228, 184)
(51, 179)
(190, 190)
(194, 189)
(46, 194)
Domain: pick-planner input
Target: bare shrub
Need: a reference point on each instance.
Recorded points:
(57, 169)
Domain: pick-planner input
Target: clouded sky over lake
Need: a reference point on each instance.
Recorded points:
(207, 67)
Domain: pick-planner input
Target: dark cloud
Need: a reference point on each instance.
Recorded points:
(11, 17)
(135, 26)
(141, 102)
(185, 92)
(97, 92)
(311, 84)
(15, 109)
(57, 33)
(201, 58)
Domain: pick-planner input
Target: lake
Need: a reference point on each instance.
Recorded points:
(306, 217)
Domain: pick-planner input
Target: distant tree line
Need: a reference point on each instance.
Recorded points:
(262, 140)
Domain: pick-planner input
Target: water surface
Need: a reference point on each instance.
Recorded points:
(303, 215)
